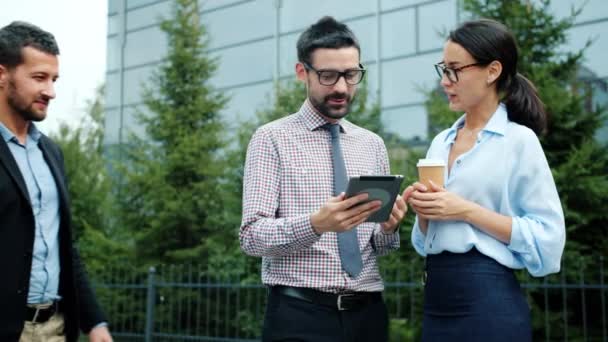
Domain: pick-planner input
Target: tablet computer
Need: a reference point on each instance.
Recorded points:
(383, 188)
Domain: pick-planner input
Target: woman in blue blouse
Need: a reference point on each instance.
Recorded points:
(499, 209)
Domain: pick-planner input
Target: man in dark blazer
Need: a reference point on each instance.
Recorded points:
(44, 294)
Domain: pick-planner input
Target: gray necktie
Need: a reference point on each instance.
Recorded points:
(350, 256)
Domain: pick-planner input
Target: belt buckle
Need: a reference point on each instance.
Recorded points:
(36, 315)
(340, 296)
(52, 308)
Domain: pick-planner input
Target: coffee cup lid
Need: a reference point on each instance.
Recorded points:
(430, 162)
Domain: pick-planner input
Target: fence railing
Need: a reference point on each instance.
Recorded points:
(186, 303)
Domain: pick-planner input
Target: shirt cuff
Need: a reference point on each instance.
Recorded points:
(418, 239)
(383, 239)
(100, 325)
(519, 236)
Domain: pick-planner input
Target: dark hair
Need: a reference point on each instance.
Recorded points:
(326, 33)
(18, 35)
(487, 41)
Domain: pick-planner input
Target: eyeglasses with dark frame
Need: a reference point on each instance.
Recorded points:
(452, 73)
(331, 77)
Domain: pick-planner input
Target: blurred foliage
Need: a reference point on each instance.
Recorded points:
(89, 189)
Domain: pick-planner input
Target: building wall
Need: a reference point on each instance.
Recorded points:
(254, 40)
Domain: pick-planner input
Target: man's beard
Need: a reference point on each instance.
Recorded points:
(324, 108)
(19, 105)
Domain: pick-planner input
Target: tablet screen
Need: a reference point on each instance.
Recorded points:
(382, 188)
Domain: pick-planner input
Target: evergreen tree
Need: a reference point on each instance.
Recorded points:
(171, 177)
(89, 188)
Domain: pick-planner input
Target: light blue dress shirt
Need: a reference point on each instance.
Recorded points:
(44, 197)
(506, 171)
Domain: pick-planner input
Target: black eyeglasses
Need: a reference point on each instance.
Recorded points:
(331, 77)
(452, 73)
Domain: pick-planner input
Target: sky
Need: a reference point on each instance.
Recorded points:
(79, 26)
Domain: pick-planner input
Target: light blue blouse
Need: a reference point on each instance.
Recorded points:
(506, 171)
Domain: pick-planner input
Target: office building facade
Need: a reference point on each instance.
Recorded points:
(254, 41)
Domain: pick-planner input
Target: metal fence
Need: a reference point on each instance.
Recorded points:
(186, 303)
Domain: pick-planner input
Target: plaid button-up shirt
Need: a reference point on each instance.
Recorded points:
(288, 176)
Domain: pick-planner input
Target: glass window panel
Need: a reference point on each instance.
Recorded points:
(435, 22)
(405, 81)
(599, 88)
(407, 122)
(135, 79)
(114, 6)
(259, 17)
(145, 46)
(592, 9)
(206, 5)
(131, 123)
(112, 89)
(148, 15)
(371, 78)
(245, 63)
(245, 101)
(137, 3)
(111, 126)
(390, 4)
(398, 33)
(602, 134)
(298, 15)
(366, 32)
(288, 54)
(113, 53)
(114, 24)
(597, 54)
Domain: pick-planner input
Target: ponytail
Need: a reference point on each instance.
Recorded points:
(524, 106)
(487, 41)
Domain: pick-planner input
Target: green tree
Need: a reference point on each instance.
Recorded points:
(578, 161)
(171, 177)
(89, 188)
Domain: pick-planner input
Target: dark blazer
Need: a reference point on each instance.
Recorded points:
(78, 302)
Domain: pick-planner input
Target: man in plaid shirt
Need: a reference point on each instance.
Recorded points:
(291, 217)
